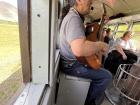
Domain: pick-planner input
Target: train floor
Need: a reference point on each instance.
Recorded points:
(106, 102)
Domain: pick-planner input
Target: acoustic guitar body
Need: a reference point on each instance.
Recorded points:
(94, 60)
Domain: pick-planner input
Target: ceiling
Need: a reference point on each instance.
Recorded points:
(115, 8)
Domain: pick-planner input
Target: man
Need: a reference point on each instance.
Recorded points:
(73, 44)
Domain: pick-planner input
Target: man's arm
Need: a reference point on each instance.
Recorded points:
(82, 47)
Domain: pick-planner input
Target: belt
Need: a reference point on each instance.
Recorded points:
(68, 62)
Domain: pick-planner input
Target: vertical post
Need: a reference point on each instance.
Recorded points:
(24, 31)
(40, 40)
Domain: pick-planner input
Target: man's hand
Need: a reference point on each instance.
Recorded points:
(103, 47)
(82, 47)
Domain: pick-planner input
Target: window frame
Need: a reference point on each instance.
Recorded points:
(24, 33)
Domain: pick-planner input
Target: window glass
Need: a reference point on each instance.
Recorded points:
(10, 59)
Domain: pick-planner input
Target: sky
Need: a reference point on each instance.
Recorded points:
(13, 2)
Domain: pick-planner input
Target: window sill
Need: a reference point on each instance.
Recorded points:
(31, 94)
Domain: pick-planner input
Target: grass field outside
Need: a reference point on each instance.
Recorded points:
(10, 60)
(9, 49)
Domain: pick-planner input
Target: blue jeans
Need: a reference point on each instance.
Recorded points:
(100, 79)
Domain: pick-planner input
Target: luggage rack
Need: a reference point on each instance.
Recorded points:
(125, 89)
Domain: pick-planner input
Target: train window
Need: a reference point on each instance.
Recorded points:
(136, 36)
(121, 29)
(10, 58)
(112, 27)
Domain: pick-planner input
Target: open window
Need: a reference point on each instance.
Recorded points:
(121, 29)
(112, 27)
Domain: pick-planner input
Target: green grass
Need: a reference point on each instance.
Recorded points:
(9, 49)
(10, 61)
(8, 22)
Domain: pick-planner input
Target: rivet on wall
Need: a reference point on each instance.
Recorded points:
(39, 66)
(38, 15)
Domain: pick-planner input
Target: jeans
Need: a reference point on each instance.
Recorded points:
(100, 79)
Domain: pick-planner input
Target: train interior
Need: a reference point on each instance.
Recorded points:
(44, 83)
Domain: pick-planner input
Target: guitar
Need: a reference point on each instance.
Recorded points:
(94, 32)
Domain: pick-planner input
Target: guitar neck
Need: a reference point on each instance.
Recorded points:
(100, 34)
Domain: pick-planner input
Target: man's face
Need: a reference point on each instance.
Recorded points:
(85, 6)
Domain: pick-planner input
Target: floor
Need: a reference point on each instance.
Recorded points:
(106, 102)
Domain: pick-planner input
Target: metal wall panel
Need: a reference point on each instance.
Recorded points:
(40, 35)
